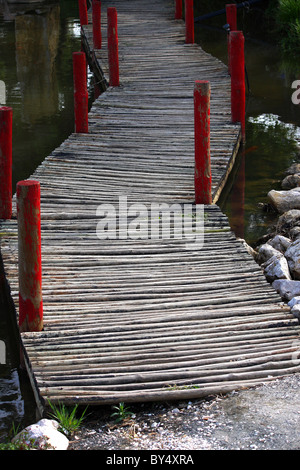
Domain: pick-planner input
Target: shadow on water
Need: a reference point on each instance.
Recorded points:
(37, 42)
(272, 120)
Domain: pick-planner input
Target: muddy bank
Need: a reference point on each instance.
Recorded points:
(266, 417)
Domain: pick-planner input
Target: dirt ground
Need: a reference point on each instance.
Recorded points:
(266, 417)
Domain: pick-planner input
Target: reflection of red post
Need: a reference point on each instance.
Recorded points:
(238, 201)
(113, 46)
(238, 91)
(5, 162)
(97, 38)
(189, 21)
(178, 9)
(30, 258)
(83, 15)
(80, 92)
(231, 18)
(202, 142)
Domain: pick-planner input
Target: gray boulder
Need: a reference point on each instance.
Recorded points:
(276, 268)
(292, 255)
(284, 201)
(287, 289)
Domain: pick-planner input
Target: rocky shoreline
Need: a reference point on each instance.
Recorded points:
(279, 253)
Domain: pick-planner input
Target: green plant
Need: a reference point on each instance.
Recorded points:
(287, 15)
(66, 417)
(122, 412)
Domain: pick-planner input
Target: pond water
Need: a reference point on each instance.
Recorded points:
(36, 65)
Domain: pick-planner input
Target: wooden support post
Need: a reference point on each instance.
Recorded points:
(113, 46)
(83, 14)
(80, 92)
(5, 162)
(178, 9)
(97, 37)
(231, 18)
(189, 21)
(30, 259)
(202, 142)
(238, 89)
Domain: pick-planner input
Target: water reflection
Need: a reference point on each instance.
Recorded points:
(37, 41)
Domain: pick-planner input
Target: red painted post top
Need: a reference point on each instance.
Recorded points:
(202, 142)
(83, 14)
(113, 46)
(30, 258)
(96, 12)
(231, 16)
(189, 22)
(80, 92)
(5, 162)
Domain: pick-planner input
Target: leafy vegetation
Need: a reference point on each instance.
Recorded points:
(122, 412)
(287, 19)
(66, 417)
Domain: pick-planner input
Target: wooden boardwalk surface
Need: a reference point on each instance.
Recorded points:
(142, 320)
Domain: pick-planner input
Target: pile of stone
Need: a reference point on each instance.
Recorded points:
(279, 257)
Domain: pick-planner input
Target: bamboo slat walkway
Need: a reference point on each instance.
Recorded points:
(143, 320)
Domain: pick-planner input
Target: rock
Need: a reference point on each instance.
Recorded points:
(291, 181)
(294, 168)
(292, 255)
(284, 201)
(43, 436)
(287, 289)
(294, 301)
(288, 221)
(296, 311)
(280, 243)
(276, 268)
(265, 252)
(295, 233)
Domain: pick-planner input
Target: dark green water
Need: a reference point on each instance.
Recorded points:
(36, 65)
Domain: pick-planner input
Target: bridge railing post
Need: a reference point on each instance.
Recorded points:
(238, 89)
(202, 142)
(5, 162)
(30, 258)
(231, 19)
(83, 14)
(96, 13)
(113, 46)
(80, 92)
(189, 22)
(178, 9)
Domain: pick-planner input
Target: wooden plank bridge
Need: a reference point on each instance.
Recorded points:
(147, 319)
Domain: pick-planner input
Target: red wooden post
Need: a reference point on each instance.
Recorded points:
(189, 21)
(80, 92)
(30, 258)
(83, 14)
(178, 9)
(231, 18)
(238, 89)
(5, 162)
(113, 46)
(202, 142)
(97, 37)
